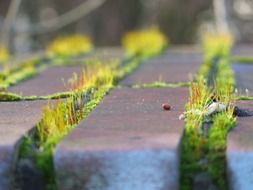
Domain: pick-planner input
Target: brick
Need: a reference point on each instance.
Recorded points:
(171, 67)
(105, 54)
(244, 78)
(17, 118)
(127, 142)
(243, 50)
(240, 152)
(55, 79)
(109, 53)
(48, 82)
(186, 49)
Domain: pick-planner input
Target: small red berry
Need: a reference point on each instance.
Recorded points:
(166, 106)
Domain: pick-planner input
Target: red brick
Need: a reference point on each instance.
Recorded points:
(127, 142)
(170, 67)
(17, 118)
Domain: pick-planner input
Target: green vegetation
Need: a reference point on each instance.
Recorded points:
(69, 46)
(58, 53)
(147, 43)
(244, 98)
(4, 55)
(242, 60)
(204, 141)
(14, 75)
(158, 84)
(8, 96)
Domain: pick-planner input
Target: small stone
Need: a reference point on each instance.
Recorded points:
(166, 106)
(215, 107)
(182, 116)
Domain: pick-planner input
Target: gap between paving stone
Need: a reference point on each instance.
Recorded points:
(158, 84)
(16, 119)
(127, 142)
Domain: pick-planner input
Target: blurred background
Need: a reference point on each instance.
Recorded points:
(29, 25)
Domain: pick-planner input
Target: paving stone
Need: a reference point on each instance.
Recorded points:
(171, 67)
(244, 78)
(188, 49)
(16, 119)
(109, 53)
(240, 152)
(52, 80)
(127, 142)
(243, 50)
(55, 79)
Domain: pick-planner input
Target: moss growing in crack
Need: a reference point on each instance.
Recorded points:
(158, 84)
(194, 146)
(15, 75)
(222, 123)
(244, 98)
(7, 96)
(201, 153)
(242, 60)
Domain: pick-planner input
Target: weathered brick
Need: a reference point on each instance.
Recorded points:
(16, 119)
(50, 81)
(240, 152)
(55, 79)
(242, 50)
(127, 142)
(170, 67)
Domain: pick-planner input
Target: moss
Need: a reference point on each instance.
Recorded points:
(244, 98)
(13, 76)
(222, 123)
(194, 144)
(7, 96)
(158, 84)
(242, 60)
(147, 43)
